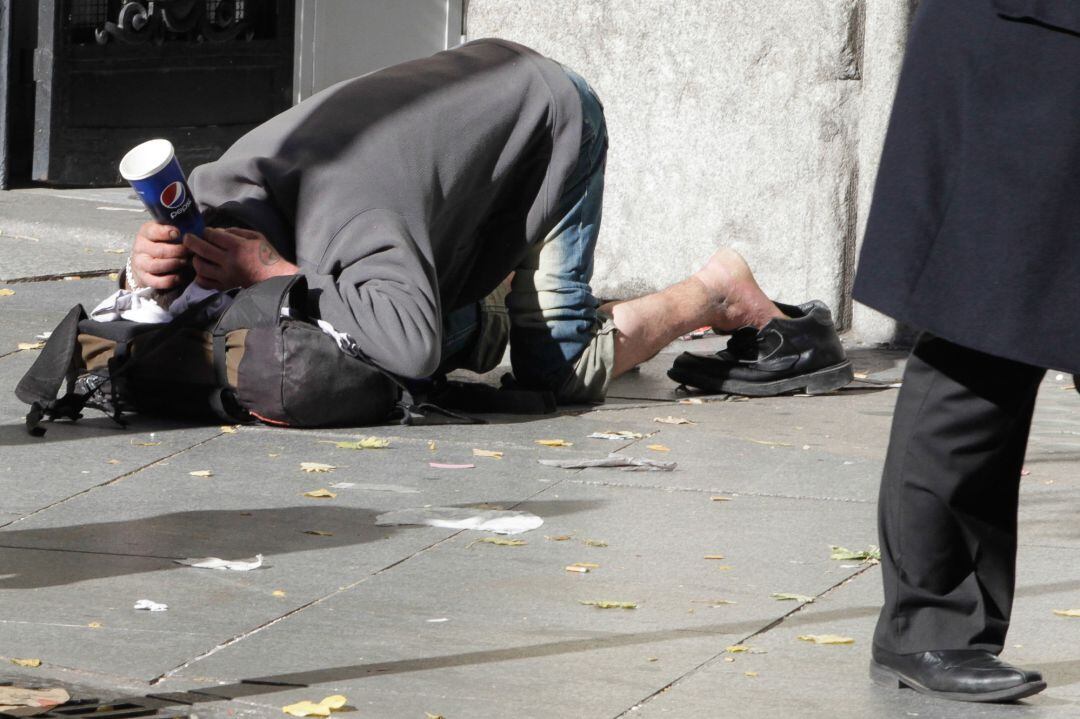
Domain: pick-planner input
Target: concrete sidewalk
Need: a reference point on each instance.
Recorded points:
(408, 620)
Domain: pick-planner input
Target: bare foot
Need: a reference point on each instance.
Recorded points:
(735, 300)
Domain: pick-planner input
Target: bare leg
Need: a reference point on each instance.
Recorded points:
(723, 294)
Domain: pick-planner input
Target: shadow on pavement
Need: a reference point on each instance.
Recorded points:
(107, 549)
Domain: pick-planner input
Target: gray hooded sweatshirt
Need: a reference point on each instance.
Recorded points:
(408, 192)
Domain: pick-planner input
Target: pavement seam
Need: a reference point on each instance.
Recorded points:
(165, 676)
(739, 493)
(109, 482)
(718, 657)
(82, 275)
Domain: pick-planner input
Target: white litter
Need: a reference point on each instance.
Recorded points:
(616, 436)
(485, 520)
(399, 489)
(438, 621)
(150, 605)
(628, 464)
(236, 565)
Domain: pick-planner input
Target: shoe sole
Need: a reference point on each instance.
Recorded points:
(821, 381)
(886, 677)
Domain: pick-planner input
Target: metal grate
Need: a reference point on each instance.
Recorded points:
(223, 12)
(88, 13)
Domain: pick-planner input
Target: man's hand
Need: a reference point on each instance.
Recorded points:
(158, 260)
(234, 257)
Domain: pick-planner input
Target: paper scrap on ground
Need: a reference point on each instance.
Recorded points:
(1067, 612)
(317, 467)
(487, 453)
(554, 443)
(396, 488)
(236, 565)
(444, 465)
(499, 542)
(672, 420)
(30, 345)
(826, 639)
(6, 292)
(364, 443)
(150, 605)
(26, 662)
(628, 464)
(872, 553)
(228, 429)
(582, 567)
(311, 709)
(616, 435)
(606, 604)
(18, 701)
(321, 493)
(202, 473)
(783, 597)
(484, 520)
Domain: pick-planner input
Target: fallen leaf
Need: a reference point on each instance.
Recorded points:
(652, 659)
(826, 639)
(320, 494)
(558, 538)
(5, 292)
(594, 543)
(273, 455)
(499, 542)
(364, 443)
(443, 465)
(605, 604)
(672, 420)
(26, 662)
(1067, 612)
(113, 461)
(144, 444)
(318, 533)
(429, 715)
(737, 649)
(114, 276)
(228, 429)
(94, 625)
(317, 467)
(659, 448)
(115, 251)
(725, 567)
(487, 453)
(202, 473)
(30, 345)
(714, 556)
(782, 597)
(278, 593)
(311, 709)
(18, 701)
(872, 553)
(751, 674)
(431, 445)
(554, 443)
(720, 498)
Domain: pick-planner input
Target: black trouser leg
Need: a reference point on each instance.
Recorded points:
(947, 507)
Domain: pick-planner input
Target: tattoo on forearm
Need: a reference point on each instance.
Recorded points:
(267, 255)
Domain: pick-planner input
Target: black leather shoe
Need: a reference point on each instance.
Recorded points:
(966, 675)
(787, 355)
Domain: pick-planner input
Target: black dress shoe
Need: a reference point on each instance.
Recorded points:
(786, 355)
(966, 675)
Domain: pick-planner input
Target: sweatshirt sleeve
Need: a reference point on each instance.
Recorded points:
(374, 284)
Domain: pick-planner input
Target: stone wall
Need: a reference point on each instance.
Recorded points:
(750, 123)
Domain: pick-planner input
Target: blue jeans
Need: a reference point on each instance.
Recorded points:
(553, 317)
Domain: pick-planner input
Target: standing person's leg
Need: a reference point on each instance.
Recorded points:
(947, 519)
(560, 339)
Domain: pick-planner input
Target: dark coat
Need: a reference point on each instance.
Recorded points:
(409, 192)
(974, 232)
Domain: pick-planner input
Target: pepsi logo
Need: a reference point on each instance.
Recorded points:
(173, 195)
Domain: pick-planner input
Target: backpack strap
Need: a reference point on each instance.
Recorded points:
(55, 365)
